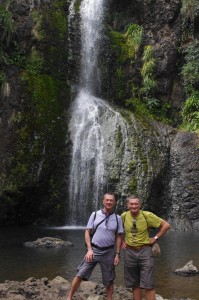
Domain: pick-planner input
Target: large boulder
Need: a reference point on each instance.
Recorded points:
(188, 270)
(48, 242)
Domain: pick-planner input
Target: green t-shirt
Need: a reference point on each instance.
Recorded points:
(138, 234)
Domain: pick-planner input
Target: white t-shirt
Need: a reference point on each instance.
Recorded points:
(105, 234)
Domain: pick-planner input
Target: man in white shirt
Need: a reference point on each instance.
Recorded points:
(103, 248)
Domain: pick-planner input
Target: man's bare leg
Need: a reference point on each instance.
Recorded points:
(137, 293)
(109, 292)
(150, 294)
(74, 286)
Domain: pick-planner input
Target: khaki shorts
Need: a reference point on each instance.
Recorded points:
(105, 258)
(139, 268)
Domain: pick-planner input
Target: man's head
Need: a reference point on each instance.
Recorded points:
(134, 204)
(109, 202)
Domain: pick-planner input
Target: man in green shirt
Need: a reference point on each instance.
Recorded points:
(139, 262)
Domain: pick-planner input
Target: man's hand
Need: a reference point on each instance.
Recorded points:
(89, 256)
(152, 241)
(123, 245)
(116, 259)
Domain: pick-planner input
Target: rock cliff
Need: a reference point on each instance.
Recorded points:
(39, 65)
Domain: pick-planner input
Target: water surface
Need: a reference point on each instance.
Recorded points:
(19, 263)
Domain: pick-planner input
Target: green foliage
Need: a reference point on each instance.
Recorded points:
(190, 112)
(2, 78)
(15, 118)
(57, 19)
(35, 63)
(77, 6)
(188, 9)
(137, 106)
(119, 137)
(132, 166)
(190, 70)
(133, 39)
(125, 47)
(118, 46)
(45, 94)
(7, 26)
(149, 82)
(190, 73)
(133, 185)
(37, 30)
(17, 57)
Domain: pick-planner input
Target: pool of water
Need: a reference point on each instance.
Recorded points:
(19, 263)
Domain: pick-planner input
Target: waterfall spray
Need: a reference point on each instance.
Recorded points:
(87, 167)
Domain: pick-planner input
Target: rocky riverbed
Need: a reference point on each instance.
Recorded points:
(56, 289)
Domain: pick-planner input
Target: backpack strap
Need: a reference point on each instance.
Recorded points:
(117, 224)
(146, 221)
(123, 220)
(98, 224)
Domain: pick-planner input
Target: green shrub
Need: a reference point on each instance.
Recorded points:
(7, 24)
(133, 39)
(188, 9)
(190, 112)
(149, 82)
(35, 63)
(190, 70)
(190, 73)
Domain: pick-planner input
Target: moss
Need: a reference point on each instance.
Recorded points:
(144, 165)
(35, 62)
(132, 166)
(133, 185)
(37, 30)
(59, 17)
(8, 28)
(2, 78)
(124, 47)
(77, 6)
(119, 137)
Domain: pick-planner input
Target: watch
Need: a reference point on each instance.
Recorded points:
(155, 237)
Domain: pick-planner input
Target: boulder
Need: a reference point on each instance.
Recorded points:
(188, 270)
(48, 242)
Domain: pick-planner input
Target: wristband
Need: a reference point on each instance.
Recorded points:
(117, 253)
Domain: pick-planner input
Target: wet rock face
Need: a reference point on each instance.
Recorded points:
(162, 30)
(184, 181)
(161, 166)
(136, 158)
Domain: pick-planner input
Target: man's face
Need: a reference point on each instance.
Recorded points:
(134, 206)
(109, 201)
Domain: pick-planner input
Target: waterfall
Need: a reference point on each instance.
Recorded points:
(87, 167)
(92, 14)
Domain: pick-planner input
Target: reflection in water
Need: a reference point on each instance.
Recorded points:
(19, 263)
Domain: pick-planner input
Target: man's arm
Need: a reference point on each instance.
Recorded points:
(89, 255)
(164, 226)
(118, 245)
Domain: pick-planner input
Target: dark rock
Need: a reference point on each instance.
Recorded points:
(57, 289)
(48, 242)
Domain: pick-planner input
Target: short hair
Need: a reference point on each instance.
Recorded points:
(109, 193)
(133, 197)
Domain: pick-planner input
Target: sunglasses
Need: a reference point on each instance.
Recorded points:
(134, 228)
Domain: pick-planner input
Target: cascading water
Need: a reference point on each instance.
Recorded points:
(87, 168)
(94, 125)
